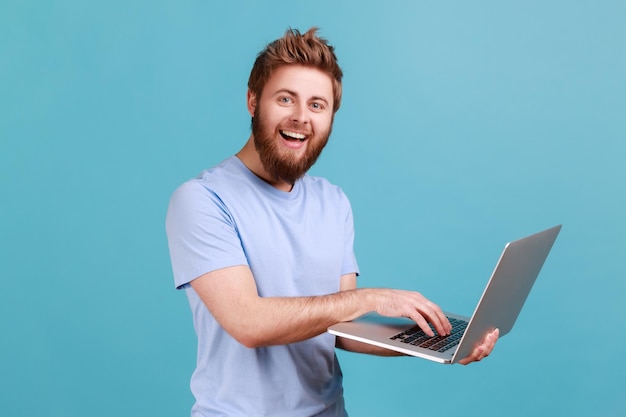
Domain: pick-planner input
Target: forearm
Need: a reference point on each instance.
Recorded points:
(231, 296)
(283, 320)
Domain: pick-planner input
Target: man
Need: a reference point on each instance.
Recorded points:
(265, 252)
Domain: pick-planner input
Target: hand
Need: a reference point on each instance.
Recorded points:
(482, 350)
(398, 303)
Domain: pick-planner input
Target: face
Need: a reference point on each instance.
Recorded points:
(292, 120)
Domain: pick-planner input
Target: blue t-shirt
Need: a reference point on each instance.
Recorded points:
(296, 244)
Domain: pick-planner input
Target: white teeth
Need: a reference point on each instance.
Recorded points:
(293, 134)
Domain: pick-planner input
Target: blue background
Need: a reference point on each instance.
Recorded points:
(463, 125)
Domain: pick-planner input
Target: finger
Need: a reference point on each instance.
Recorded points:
(496, 335)
(422, 323)
(483, 350)
(490, 341)
(432, 313)
(492, 338)
(437, 318)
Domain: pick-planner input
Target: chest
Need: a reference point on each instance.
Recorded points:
(293, 248)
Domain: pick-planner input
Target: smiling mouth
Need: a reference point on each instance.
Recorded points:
(289, 135)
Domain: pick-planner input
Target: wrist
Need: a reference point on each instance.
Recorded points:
(364, 302)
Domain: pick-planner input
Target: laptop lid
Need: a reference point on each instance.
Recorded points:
(508, 288)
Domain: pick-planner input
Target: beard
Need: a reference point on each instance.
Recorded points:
(285, 166)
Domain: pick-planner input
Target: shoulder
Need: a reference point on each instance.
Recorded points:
(321, 183)
(211, 180)
(204, 190)
(325, 190)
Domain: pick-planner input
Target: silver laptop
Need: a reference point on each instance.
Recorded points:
(503, 298)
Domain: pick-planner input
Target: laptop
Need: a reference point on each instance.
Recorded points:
(499, 306)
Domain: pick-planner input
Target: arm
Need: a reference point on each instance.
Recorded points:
(231, 296)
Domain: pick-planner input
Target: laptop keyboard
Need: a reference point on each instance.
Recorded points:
(416, 336)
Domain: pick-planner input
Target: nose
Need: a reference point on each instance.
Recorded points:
(299, 114)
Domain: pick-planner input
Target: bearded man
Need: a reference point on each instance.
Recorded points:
(264, 252)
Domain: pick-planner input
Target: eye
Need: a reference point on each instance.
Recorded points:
(285, 100)
(317, 106)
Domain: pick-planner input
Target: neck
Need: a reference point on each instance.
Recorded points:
(251, 159)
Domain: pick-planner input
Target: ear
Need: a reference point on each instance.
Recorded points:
(251, 99)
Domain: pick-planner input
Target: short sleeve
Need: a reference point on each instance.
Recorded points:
(202, 236)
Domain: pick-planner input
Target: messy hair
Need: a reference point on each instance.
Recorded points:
(295, 48)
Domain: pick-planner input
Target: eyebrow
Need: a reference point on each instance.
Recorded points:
(293, 93)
